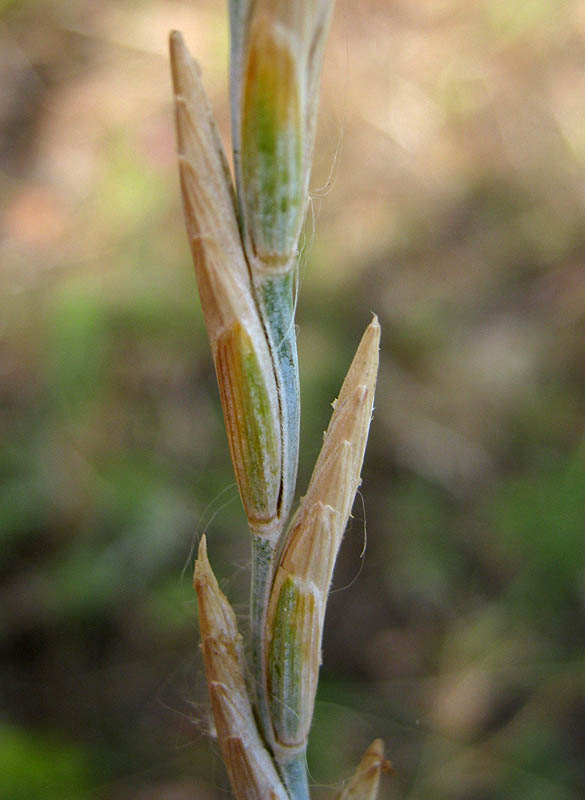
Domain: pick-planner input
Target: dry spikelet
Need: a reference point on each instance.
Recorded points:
(250, 768)
(299, 593)
(363, 785)
(241, 354)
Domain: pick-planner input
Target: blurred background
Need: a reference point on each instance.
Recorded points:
(448, 197)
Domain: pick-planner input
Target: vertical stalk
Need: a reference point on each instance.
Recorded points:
(275, 299)
(294, 775)
(263, 552)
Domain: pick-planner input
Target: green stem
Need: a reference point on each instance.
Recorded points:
(294, 774)
(275, 296)
(263, 550)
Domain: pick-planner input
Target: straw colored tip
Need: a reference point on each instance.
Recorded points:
(203, 574)
(175, 41)
(202, 562)
(205, 184)
(364, 367)
(363, 785)
(181, 61)
(373, 759)
(216, 617)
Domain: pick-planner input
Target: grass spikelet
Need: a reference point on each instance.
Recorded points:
(250, 768)
(241, 354)
(301, 585)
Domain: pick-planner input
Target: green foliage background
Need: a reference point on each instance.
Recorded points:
(449, 199)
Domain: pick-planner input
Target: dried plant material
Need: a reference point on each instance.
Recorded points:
(299, 593)
(363, 785)
(242, 357)
(250, 768)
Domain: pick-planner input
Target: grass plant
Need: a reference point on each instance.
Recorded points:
(245, 249)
